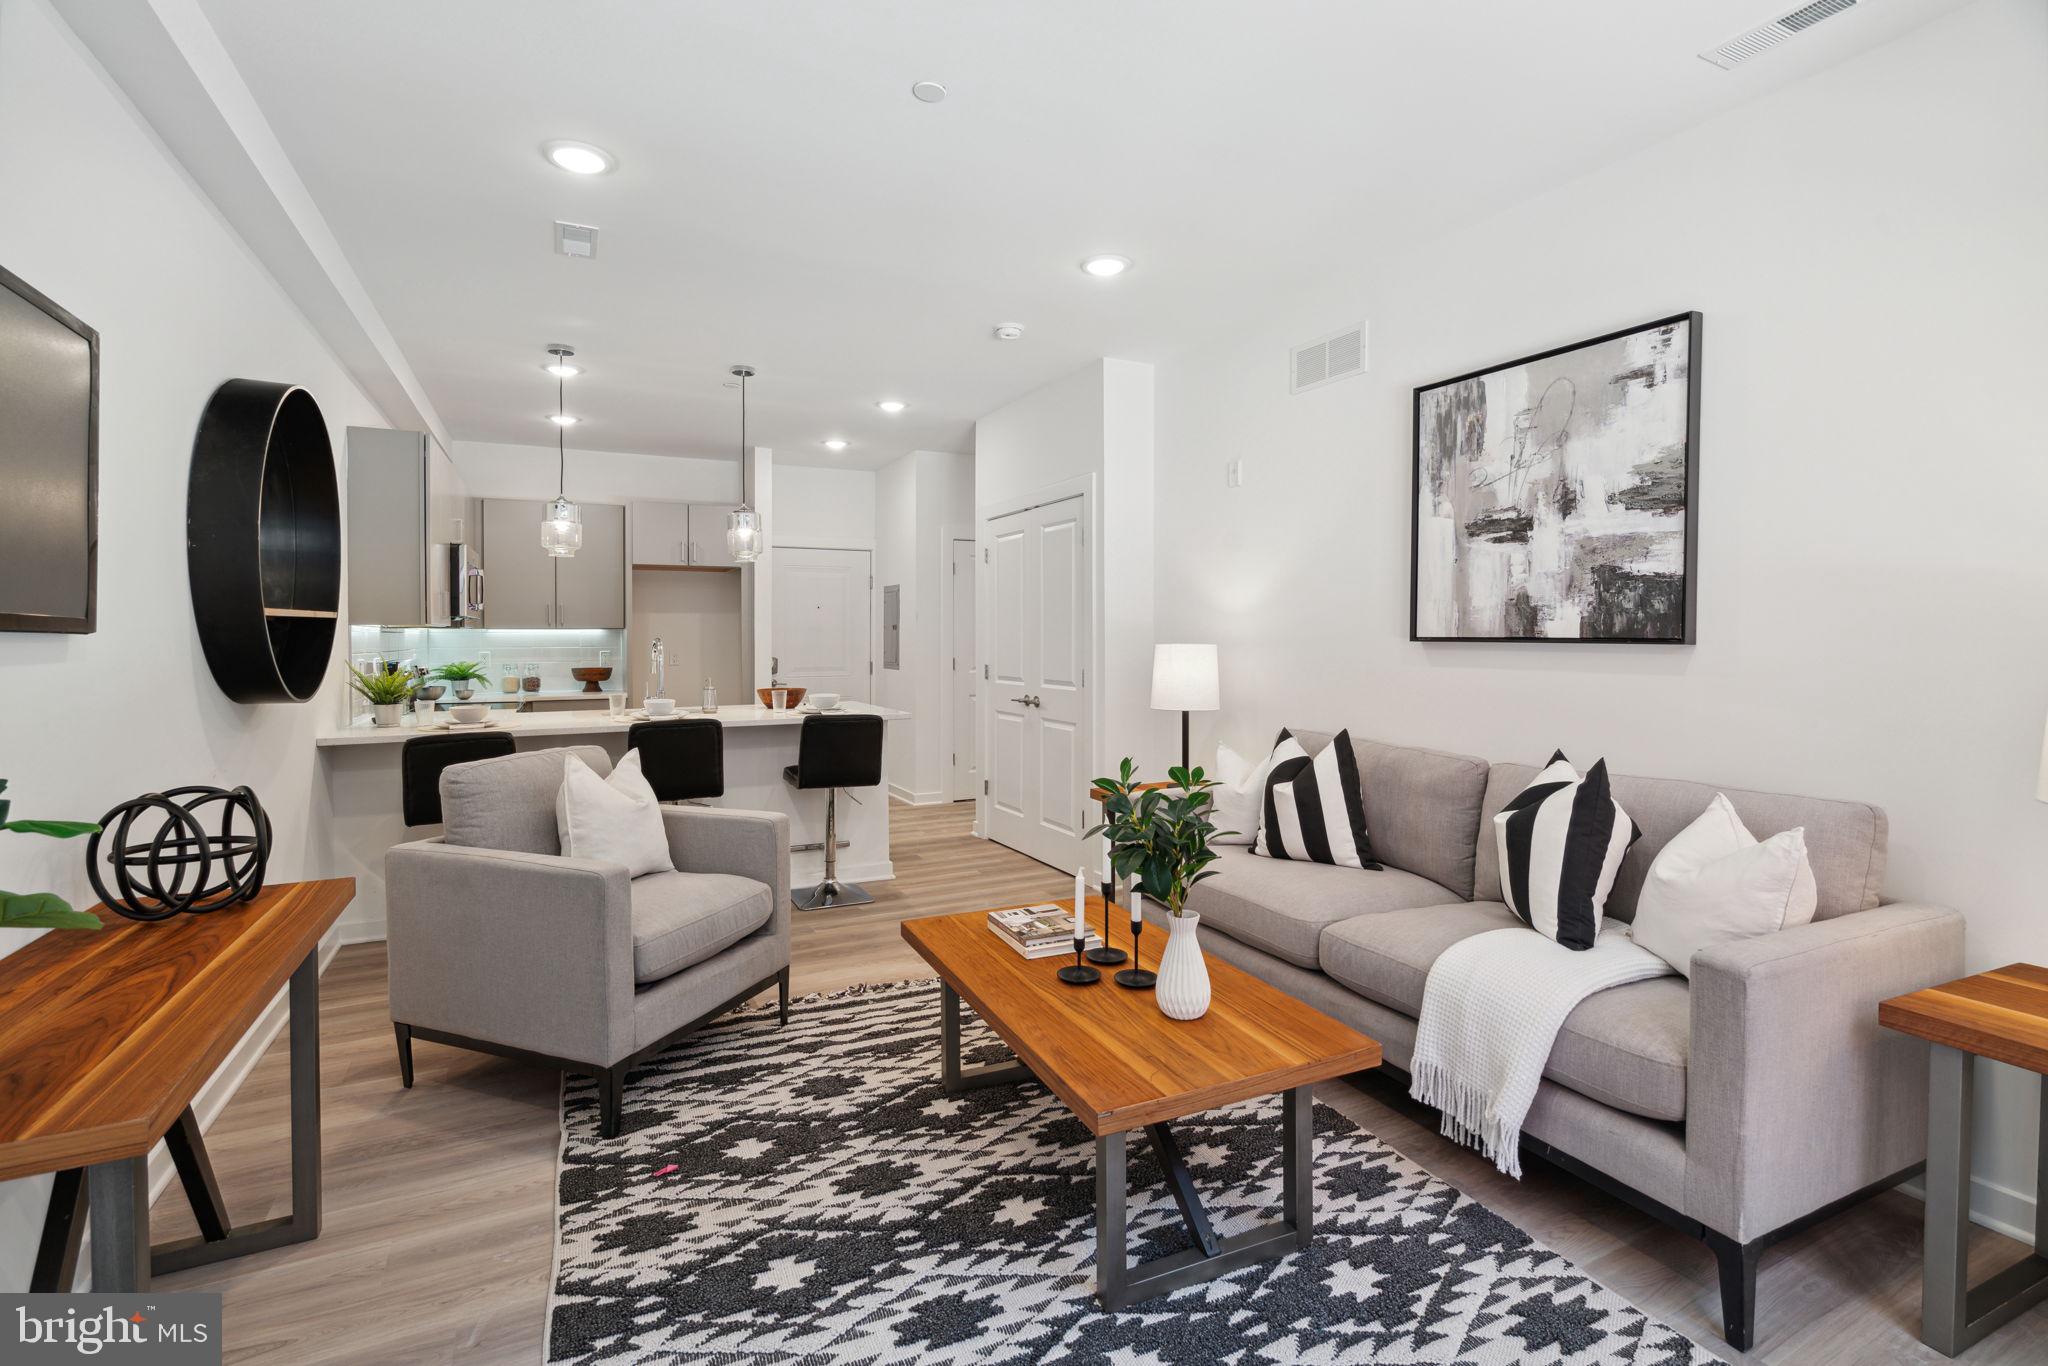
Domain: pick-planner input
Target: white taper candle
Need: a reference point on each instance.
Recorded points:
(1080, 903)
(1137, 907)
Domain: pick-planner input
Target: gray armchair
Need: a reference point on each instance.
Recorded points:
(501, 944)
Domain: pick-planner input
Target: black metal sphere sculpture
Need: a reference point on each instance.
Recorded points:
(181, 867)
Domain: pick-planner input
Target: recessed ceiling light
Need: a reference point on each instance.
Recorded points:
(1009, 331)
(892, 405)
(931, 92)
(561, 419)
(579, 157)
(835, 444)
(1106, 267)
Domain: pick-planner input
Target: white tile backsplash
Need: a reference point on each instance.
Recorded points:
(554, 652)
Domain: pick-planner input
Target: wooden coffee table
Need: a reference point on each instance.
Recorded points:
(1120, 1065)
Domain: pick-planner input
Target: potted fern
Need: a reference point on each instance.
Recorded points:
(463, 676)
(385, 692)
(42, 910)
(1159, 833)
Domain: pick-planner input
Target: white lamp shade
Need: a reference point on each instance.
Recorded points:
(1184, 678)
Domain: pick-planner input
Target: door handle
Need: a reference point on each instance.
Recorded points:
(1029, 700)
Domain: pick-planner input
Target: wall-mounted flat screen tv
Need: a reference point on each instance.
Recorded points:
(49, 464)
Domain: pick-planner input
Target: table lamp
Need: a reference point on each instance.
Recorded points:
(1184, 680)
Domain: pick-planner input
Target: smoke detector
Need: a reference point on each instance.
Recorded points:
(1009, 331)
(1764, 37)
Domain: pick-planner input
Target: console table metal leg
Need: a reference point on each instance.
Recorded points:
(1953, 1315)
(956, 1077)
(1297, 1161)
(56, 1266)
(118, 1195)
(303, 1223)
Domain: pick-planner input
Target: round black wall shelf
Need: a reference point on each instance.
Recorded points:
(263, 541)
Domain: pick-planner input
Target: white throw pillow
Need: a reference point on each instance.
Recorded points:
(1234, 803)
(1715, 882)
(615, 820)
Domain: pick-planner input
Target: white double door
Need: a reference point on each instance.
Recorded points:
(823, 636)
(1040, 640)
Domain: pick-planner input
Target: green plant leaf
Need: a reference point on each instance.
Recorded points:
(43, 911)
(56, 830)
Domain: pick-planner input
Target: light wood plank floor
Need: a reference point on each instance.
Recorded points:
(439, 1212)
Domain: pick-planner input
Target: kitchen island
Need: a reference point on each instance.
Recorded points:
(362, 771)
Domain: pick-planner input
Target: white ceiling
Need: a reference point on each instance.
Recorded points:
(781, 200)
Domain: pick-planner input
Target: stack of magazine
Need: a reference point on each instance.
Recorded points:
(1040, 931)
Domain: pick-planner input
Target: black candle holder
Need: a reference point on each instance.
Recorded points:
(1106, 956)
(1135, 977)
(1077, 973)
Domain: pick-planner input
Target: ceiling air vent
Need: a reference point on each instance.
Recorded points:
(1326, 359)
(575, 239)
(1764, 37)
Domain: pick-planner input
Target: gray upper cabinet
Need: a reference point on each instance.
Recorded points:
(590, 586)
(673, 535)
(527, 587)
(707, 534)
(519, 577)
(405, 507)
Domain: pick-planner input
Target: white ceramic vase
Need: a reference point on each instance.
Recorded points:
(1183, 988)
(386, 713)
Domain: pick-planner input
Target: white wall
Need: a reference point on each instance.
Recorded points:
(102, 221)
(897, 563)
(492, 470)
(825, 509)
(1051, 434)
(923, 498)
(1866, 246)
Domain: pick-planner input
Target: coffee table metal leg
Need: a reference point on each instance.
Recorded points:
(954, 1077)
(1298, 1161)
(1118, 1283)
(1954, 1314)
(1109, 1220)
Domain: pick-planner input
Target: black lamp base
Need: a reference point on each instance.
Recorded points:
(1079, 975)
(1137, 979)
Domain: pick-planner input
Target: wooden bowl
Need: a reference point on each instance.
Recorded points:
(590, 678)
(767, 695)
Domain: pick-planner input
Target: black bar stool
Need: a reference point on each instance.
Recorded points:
(834, 752)
(683, 759)
(424, 756)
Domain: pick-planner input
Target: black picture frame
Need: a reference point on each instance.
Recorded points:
(89, 621)
(1689, 635)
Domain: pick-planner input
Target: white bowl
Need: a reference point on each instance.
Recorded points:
(468, 714)
(823, 701)
(661, 706)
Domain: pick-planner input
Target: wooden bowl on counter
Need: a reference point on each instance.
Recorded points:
(590, 678)
(767, 696)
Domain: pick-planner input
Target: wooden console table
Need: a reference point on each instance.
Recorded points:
(105, 1038)
(2002, 1015)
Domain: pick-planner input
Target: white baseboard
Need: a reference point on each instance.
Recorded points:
(360, 930)
(219, 1089)
(903, 794)
(1998, 1208)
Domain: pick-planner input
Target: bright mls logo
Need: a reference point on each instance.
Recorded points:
(166, 1330)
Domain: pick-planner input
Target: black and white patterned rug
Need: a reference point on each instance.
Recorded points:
(809, 1194)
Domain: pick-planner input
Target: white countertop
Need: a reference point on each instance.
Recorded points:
(588, 723)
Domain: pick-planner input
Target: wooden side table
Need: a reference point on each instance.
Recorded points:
(2002, 1015)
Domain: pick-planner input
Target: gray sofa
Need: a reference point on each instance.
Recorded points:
(499, 943)
(1739, 1106)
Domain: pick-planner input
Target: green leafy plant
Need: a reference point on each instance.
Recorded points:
(1159, 834)
(42, 910)
(461, 671)
(381, 690)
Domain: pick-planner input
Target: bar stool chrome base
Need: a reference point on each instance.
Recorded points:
(828, 894)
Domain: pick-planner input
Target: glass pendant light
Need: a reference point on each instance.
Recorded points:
(561, 523)
(743, 523)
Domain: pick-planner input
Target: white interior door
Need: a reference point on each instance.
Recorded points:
(963, 780)
(1038, 752)
(822, 638)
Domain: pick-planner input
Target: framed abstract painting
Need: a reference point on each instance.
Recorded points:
(1554, 494)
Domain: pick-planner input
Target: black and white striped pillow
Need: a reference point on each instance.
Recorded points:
(1561, 842)
(1312, 809)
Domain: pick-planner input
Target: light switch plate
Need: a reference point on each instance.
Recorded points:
(1233, 474)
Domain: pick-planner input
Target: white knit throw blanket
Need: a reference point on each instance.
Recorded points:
(1491, 1010)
